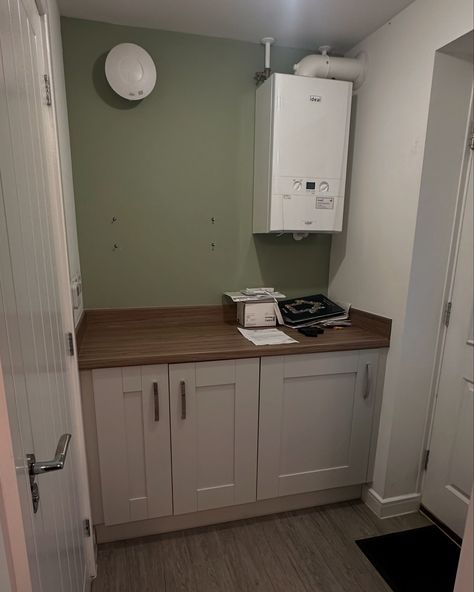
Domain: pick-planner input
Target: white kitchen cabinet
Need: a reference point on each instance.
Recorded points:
(214, 425)
(315, 421)
(183, 438)
(133, 430)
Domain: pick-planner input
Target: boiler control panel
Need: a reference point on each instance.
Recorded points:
(307, 186)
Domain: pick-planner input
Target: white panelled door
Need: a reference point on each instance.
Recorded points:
(34, 314)
(448, 480)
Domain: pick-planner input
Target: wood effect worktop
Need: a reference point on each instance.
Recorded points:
(134, 337)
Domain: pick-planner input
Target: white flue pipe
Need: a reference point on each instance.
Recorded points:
(325, 66)
(267, 41)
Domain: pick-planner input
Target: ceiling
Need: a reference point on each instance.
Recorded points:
(293, 23)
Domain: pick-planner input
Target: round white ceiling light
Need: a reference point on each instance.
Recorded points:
(130, 71)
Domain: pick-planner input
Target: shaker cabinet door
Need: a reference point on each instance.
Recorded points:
(315, 421)
(133, 430)
(214, 423)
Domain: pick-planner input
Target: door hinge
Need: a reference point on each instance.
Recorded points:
(47, 89)
(70, 344)
(471, 141)
(87, 527)
(447, 313)
(426, 459)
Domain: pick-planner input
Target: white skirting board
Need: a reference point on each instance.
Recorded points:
(390, 506)
(129, 530)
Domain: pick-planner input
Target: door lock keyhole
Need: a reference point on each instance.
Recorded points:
(35, 496)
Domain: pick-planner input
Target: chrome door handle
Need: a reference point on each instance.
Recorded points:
(156, 398)
(368, 384)
(183, 399)
(38, 467)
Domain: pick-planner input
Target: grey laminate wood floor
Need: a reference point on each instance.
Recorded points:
(305, 551)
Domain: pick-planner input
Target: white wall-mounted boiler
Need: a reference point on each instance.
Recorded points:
(301, 138)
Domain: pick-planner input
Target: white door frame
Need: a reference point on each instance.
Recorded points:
(52, 142)
(468, 162)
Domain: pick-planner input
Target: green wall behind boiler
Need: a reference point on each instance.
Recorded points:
(164, 167)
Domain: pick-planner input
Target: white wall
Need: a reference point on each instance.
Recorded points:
(371, 262)
(445, 150)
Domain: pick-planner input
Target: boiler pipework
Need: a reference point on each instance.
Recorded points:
(265, 73)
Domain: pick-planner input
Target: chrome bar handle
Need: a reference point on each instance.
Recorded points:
(38, 467)
(182, 385)
(368, 383)
(156, 398)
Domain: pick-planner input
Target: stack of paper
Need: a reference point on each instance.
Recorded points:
(341, 320)
(249, 296)
(266, 336)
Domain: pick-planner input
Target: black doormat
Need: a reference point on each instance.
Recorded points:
(418, 560)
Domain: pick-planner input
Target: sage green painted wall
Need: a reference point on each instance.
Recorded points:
(165, 166)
